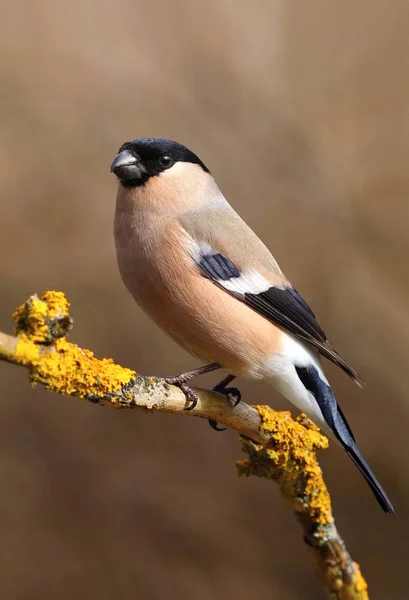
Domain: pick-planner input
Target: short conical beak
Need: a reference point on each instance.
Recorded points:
(127, 167)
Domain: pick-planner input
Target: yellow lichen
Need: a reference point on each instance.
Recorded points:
(344, 587)
(26, 353)
(57, 304)
(63, 367)
(290, 459)
(76, 372)
(44, 319)
(30, 319)
(359, 584)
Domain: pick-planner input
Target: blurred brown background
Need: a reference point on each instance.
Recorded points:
(301, 110)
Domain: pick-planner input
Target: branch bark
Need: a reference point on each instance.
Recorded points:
(277, 447)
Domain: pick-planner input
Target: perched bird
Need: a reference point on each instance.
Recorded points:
(197, 269)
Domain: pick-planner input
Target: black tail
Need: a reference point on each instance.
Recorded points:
(335, 419)
(379, 493)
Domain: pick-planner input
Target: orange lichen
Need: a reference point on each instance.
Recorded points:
(63, 367)
(290, 459)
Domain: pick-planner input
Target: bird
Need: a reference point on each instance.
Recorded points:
(206, 279)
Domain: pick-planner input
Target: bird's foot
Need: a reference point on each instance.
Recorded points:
(181, 380)
(232, 393)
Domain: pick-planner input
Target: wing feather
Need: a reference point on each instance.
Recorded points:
(283, 306)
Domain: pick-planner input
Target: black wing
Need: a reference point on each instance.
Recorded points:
(284, 306)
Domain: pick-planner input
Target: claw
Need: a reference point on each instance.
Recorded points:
(231, 393)
(180, 382)
(214, 425)
(191, 396)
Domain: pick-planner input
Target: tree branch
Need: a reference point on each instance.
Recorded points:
(278, 448)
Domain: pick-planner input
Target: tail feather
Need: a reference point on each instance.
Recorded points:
(337, 423)
(355, 454)
(344, 434)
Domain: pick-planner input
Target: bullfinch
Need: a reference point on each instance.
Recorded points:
(195, 267)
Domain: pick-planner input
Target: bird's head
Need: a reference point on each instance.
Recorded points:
(141, 159)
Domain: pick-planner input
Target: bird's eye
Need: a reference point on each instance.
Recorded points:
(166, 161)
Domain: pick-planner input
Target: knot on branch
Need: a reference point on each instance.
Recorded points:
(43, 320)
(290, 460)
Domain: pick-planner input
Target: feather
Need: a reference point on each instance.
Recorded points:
(282, 305)
(337, 422)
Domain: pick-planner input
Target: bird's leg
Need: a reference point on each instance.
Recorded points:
(222, 385)
(181, 380)
(231, 392)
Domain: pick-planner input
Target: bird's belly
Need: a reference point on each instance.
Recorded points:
(209, 323)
